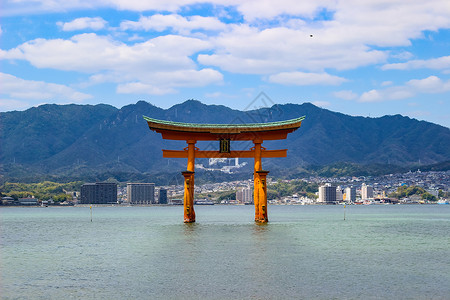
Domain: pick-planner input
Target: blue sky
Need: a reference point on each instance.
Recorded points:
(368, 58)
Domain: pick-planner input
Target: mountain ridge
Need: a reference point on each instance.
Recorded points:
(64, 139)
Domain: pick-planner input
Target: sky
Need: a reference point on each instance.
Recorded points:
(362, 58)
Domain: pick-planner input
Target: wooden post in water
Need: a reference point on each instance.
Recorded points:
(189, 183)
(189, 214)
(262, 175)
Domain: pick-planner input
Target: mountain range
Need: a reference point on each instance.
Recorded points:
(78, 140)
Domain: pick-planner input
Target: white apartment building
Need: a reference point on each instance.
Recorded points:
(350, 194)
(366, 192)
(244, 195)
(327, 194)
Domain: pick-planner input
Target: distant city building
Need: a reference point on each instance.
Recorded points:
(141, 193)
(88, 193)
(240, 196)
(99, 193)
(339, 194)
(163, 196)
(327, 194)
(366, 192)
(434, 192)
(350, 194)
(28, 201)
(244, 195)
(176, 201)
(8, 201)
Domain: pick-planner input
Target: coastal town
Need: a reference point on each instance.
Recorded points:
(363, 190)
(419, 188)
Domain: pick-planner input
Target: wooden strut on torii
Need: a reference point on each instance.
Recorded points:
(225, 133)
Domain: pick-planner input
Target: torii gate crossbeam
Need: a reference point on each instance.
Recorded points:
(225, 133)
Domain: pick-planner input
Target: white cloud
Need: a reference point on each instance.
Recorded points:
(341, 41)
(188, 78)
(135, 38)
(429, 85)
(164, 61)
(157, 5)
(300, 78)
(371, 96)
(143, 88)
(20, 7)
(268, 9)
(432, 84)
(440, 63)
(83, 23)
(272, 38)
(346, 95)
(17, 88)
(394, 93)
(92, 53)
(403, 55)
(344, 41)
(398, 93)
(372, 17)
(249, 50)
(175, 22)
(165, 82)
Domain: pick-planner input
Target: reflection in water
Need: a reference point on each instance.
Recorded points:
(260, 230)
(190, 228)
(261, 227)
(191, 232)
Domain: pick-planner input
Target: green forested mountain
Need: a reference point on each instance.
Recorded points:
(81, 140)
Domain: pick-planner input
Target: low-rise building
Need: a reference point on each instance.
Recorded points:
(28, 201)
(8, 201)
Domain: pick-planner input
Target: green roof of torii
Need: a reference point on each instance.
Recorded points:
(255, 126)
(207, 132)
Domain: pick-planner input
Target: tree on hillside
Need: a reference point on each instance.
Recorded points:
(407, 191)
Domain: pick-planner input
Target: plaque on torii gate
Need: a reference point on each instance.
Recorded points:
(225, 133)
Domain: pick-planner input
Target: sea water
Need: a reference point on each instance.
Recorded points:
(305, 252)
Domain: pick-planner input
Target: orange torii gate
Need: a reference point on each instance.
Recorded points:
(255, 132)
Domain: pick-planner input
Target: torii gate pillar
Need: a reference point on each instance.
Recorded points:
(261, 187)
(189, 213)
(189, 184)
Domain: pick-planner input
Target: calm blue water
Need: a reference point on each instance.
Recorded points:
(305, 252)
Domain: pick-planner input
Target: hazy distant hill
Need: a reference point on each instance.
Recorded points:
(78, 139)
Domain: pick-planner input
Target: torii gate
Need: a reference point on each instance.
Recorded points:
(255, 132)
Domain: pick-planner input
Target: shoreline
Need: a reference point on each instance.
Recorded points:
(216, 204)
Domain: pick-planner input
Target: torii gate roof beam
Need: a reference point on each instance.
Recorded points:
(235, 132)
